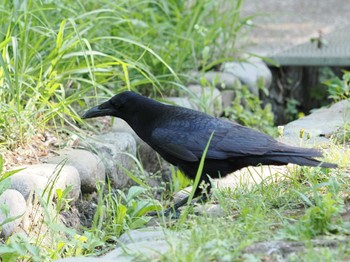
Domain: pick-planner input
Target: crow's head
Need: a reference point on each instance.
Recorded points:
(118, 106)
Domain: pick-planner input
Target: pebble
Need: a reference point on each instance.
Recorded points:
(89, 166)
(38, 177)
(17, 207)
(116, 150)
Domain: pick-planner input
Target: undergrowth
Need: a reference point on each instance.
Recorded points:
(57, 57)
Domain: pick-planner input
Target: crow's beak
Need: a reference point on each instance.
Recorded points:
(105, 109)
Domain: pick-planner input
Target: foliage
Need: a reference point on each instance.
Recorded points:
(339, 89)
(55, 239)
(56, 55)
(247, 109)
(117, 212)
(322, 216)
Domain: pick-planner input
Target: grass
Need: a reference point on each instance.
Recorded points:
(303, 210)
(58, 57)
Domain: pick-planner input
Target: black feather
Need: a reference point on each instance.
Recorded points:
(180, 135)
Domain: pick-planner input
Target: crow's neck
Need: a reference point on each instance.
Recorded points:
(144, 117)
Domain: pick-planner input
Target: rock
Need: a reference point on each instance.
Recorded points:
(318, 126)
(151, 242)
(247, 177)
(146, 234)
(181, 101)
(16, 204)
(148, 242)
(27, 183)
(90, 167)
(84, 259)
(121, 126)
(250, 176)
(207, 99)
(222, 80)
(249, 73)
(182, 194)
(149, 158)
(38, 177)
(212, 210)
(113, 148)
(285, 248)
(227, 97)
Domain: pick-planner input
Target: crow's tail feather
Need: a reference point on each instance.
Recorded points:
(302, 161)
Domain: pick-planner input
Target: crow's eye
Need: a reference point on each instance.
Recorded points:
(118, 105)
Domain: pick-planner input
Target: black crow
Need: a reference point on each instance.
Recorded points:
(180, 136)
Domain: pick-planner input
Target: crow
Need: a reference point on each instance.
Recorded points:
(180, 136)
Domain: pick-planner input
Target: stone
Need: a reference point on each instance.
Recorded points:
(116, 150)
(318, 126)
(149, 158)
(178, 196)
(145, 234)
(227, 98)
(148, 242)
(40, 176)
(121, 126)
(14, 202)
(250, 176)
(247, 177)
(180, 101)
(207, 99)
(284, 248)
(90, 167)
(84, 259)
(212, 210)
(27, 183)
(222, 80)
(249, 73)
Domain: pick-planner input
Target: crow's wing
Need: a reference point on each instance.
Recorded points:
(229, 140)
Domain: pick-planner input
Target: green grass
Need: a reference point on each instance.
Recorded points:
(302, 209)
(59, 57)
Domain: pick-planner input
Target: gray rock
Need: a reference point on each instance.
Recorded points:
(145, 234)
(250, 73)
(149, 242)
(121, 126)
(286, 248)
(181, 101)
(222, 80)
(27, 183)
(38, 177)
(84, 259)
(150, 160)
(182, 194)
(116, 150)
(151, 249)
(16, 204)
(207, 99)
(227, 97)
(90, 167)
(250, 176)
(212, 210)
(318, 126)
